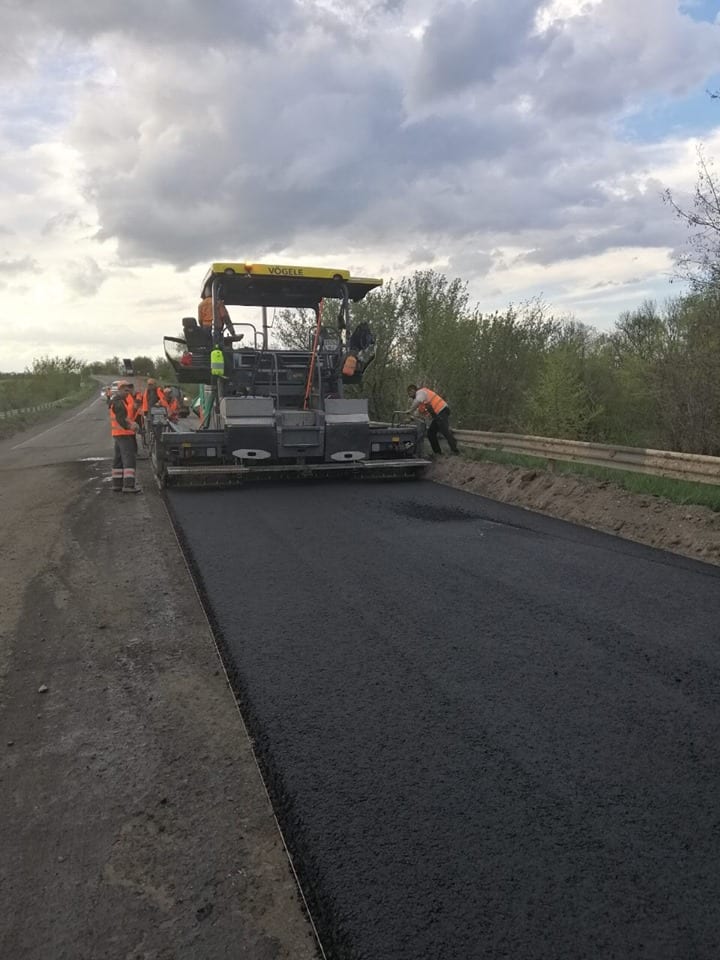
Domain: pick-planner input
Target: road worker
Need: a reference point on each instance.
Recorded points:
(150, 396)
(130, 400)
(171, 404)
(205, 316)
(123, 428)
(138, 398)
(428, 403)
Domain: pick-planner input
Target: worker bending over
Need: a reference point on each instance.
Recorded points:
(123, 428)
(429, 403)
(170, 402)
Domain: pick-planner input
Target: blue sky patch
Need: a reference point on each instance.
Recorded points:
(705, 10)
(690, 116)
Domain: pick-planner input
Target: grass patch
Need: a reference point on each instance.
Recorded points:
(14, 423)
(684, 492)
(29, 389)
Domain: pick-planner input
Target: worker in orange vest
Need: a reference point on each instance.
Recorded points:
(138, 398)
(428, 403)
(171, 404)
(205, 316)
(123, 429)
(130, 400)
(150, 396)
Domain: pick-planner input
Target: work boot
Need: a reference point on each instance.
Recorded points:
(132, 489)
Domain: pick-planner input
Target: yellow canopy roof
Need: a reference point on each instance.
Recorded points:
(283, 285)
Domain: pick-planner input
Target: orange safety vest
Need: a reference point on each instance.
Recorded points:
(171, 405)
(205, 314)
(146, 398)
(434, 405)
(130, 406)
(350, 366)
(115, 428)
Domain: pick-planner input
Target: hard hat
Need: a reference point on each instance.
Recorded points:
(151, 382)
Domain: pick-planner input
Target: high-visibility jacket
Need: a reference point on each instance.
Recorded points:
(434, 404)
(130, 407)
(350, 365)
(119, 417)
(149, 398)
(205, 314)
(170, 403)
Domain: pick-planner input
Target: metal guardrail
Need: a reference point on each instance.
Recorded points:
(6, 414)
(659, 463)
(18, 411)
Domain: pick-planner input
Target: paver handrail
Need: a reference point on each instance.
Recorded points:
(661, 463)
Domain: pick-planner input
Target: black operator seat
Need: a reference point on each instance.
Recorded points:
(196, 337)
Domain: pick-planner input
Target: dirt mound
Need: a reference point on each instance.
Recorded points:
(600, 504)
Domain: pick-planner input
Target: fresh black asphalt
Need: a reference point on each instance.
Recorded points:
(486, 733)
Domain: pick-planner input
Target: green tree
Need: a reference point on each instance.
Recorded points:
(560, 403)
(688, 375)
(42, 366)
(292, 329)
(504, 364)
(144, 366)
(163, 370)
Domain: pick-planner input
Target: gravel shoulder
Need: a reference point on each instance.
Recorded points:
(135, 822)
(691, 531)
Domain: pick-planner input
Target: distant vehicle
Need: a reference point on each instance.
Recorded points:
(126, 368)
(110, 391)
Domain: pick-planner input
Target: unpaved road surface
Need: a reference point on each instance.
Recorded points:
(487, 733)
(134, 822)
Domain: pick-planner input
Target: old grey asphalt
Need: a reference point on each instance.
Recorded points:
(486, 733)
(134, 820)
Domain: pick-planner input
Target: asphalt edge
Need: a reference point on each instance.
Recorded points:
(234, 688)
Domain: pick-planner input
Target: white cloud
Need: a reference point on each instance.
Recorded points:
(138, 140)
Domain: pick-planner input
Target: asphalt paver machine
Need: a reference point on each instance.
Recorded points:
(272, 411)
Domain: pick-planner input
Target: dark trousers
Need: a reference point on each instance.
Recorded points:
(441, 424)
(123, 468)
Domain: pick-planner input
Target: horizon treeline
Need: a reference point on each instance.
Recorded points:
(651, 381)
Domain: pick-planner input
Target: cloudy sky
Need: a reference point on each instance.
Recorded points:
(522, 145)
